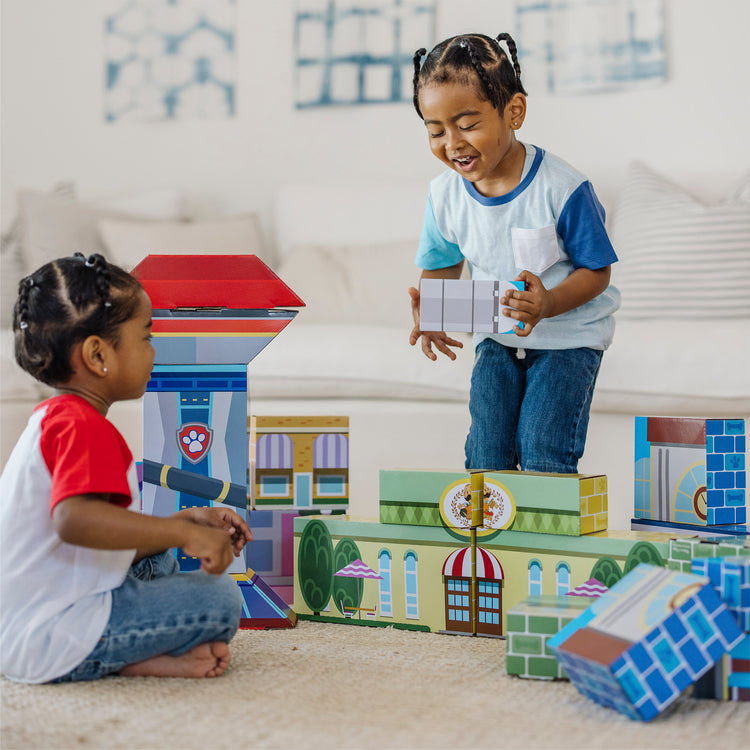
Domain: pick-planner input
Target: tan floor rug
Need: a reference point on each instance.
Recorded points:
(335, 686)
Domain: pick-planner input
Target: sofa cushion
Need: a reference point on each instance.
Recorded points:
(345, 360)
(127, 242)
(55, 226)
(680, 257)
(364, 284)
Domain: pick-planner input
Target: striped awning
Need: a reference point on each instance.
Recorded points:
(275, 451)
(458, 565)
(592, 588)
(331, 451)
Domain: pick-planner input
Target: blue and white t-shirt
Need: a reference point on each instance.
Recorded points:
(551, 224)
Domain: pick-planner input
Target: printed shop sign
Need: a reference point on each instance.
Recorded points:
(498, 507)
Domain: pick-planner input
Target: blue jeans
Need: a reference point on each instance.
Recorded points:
(158, 610)
(533, 412)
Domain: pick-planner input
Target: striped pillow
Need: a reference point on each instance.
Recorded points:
(679, 257)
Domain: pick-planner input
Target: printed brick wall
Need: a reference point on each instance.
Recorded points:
(725, 471)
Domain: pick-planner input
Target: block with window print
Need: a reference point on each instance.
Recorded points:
(690, 471)
(299, 463)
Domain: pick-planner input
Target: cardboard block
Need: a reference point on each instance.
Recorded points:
(299, 462)
(423, 569)
(652, 524)
(568, 504)
(682, 551)
(212, 315)
(465, 305)
(730, 577)
(690, 471)
(652, 635)
(262, 607)
(531, 623)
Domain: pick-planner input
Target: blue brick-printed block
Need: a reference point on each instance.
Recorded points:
(715, 498)
(641, 658)
(670, 648)
(735, 498)
(714, 462)
(734, 462)
(695, 660)
(714, 427)
(660, 688)
(724, 444)
(724, 480)
(724, 515)
(734, 427)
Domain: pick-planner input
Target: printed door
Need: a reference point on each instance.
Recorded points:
(458, 605)
(489, 607)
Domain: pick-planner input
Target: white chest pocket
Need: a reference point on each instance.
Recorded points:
(535, 250)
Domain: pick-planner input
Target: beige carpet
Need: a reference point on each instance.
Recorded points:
(335, 686)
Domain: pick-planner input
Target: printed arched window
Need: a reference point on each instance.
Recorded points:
(411, 586)
(331, 465)
(385, 594)
(274, 463)
(562, 578)
(535, 578)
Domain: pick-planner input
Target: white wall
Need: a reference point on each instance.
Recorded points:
(693, 128)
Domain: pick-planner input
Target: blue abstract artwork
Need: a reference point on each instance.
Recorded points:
(587, 46)
(358, 52)
(169, 59)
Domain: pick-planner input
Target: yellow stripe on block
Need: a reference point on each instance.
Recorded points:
(163, 476)
(222, 496)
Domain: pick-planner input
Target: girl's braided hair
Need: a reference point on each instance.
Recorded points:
(473, 59)
(64, 302)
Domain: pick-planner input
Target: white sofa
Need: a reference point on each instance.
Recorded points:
(347, 250)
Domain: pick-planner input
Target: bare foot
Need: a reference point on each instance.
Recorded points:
(206, 660)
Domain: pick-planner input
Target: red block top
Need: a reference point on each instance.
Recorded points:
(233, 281)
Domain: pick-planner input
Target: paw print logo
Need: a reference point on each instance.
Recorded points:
(194, 440)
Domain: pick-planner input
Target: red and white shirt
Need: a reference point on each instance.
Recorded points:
(55, 598)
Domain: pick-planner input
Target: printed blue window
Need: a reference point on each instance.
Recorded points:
(332, 484)
(274, 486)
(535, 578)
(411, 586)
(384, 569)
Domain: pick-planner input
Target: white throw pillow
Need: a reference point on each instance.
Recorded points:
(58, 225)
(353, 284)
(680, 257)
(129, 242)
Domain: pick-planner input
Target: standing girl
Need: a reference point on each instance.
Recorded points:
(513, 211)
(88, 587)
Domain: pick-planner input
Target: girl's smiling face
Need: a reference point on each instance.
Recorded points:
(469, 135)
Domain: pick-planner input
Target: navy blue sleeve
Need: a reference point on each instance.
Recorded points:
(581, 227)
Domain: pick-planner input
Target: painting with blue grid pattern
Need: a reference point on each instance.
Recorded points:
(169, 59)
(583, 46)
(358, 52)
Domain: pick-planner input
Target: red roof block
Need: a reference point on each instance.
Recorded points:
(232, 281)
